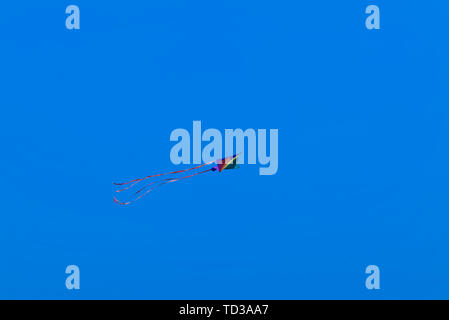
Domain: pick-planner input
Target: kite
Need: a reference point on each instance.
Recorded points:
(220, 165)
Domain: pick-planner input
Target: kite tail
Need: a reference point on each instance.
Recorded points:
(133, 182)
(158, 183)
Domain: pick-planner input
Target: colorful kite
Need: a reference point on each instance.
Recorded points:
(222, 164)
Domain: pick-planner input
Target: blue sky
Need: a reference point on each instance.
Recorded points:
(363, 149)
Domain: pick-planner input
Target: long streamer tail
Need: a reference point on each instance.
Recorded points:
(162, 174)
(157, 183)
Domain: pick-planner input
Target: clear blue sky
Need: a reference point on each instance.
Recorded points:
(363, 149)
